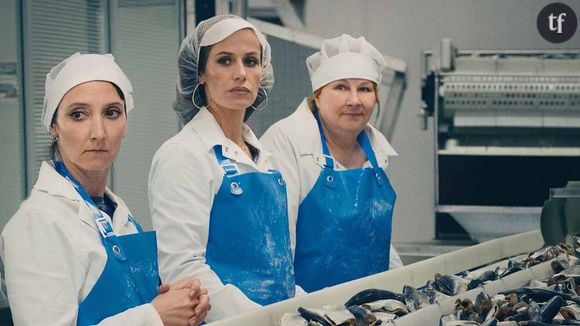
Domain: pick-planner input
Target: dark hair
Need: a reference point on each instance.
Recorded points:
(53, 153)
(201, 65)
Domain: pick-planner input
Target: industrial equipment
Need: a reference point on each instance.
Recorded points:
(506, 128)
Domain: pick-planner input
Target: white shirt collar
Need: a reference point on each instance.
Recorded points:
(52, 183)
(211, 134)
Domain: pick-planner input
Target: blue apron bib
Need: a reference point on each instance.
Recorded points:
(249, 242)
(344, 223)
(130, 277)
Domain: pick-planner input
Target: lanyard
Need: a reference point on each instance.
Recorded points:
(103, 224)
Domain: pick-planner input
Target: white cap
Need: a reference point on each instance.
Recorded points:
(78, 69)
(345, 57)
(225, 28)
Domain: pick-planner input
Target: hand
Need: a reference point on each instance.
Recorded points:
(200, 312)
(198, 302)
(189, 283)
(175, 307)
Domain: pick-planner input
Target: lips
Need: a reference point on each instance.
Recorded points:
(240, 90)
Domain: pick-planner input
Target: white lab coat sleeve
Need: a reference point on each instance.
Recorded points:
(394, 259)
(285, 159)
(44, 274)
(182, 185)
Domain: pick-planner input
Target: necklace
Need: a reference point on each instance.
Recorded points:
(247, 150)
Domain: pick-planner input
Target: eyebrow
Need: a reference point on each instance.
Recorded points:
(231, 53)
(87, 104)
(364, 83)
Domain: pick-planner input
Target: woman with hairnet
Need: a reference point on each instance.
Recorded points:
(219, 208)
(339, 196)
(73, 254)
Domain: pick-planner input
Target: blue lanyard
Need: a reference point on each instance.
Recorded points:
(103, 224)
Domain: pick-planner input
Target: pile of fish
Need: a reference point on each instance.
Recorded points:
(554, 301)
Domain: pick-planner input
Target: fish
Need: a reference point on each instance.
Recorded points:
(414, 299)
(551, 308)
(388, 305)
(370, 295)
(363, 317)
(540, 295)
(450, 284)
(313, 316)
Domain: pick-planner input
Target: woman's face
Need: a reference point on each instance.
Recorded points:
(233, 71)
(346, 105)
(90, 125)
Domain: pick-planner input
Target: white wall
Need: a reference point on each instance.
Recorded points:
(403, 28)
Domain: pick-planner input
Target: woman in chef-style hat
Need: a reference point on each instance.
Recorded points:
(339, 196)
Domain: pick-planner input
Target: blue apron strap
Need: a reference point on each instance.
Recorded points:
(329, 164)
(365, 143)
(137, 225)
(105, 228)
(363, 140)
(229, 167)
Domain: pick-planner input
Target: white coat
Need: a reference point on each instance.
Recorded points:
(53, 255)
(184, 178)
(295, 143)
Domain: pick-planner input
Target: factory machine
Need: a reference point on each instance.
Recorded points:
(506, 128)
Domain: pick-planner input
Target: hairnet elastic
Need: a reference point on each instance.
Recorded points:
(345, 57)
(209, 32)
(78, 69)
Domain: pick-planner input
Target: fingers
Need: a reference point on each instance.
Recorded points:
(200, 310)
(203, 306)
(163, 288)
(197, 319)
(191, 283)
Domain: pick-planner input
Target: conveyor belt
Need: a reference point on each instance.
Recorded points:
(415, 275)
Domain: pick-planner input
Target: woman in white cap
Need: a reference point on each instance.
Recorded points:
(340, 198)
(220, 210)
(73, 254)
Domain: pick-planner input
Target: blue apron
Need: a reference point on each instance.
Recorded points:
(130, 277)
(249, 242)
(344, 223)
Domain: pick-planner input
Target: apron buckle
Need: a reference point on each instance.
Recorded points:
(230, 169)
(104, 226)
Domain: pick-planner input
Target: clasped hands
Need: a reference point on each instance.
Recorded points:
(182, 303)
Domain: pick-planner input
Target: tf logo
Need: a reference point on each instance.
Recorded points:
(557, 23)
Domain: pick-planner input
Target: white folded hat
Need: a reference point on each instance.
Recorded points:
(345, 57)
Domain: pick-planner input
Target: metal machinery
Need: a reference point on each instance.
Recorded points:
(506, 130)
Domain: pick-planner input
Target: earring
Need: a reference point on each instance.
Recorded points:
(54, 138)
(193, 96)
(266, 102)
